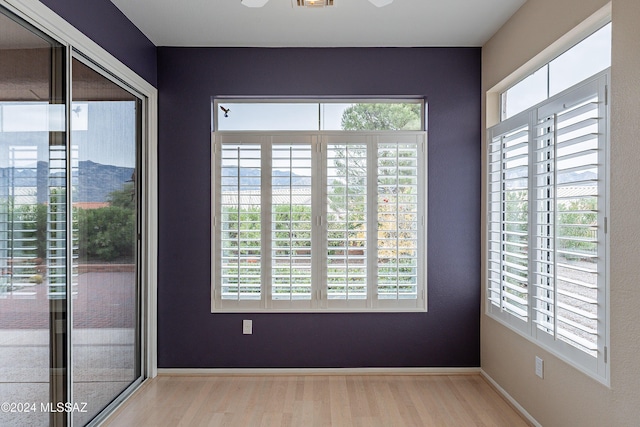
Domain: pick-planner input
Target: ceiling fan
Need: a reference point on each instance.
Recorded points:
(309, 3)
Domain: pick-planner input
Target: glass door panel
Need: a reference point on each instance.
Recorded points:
(33, 262)
(69, 227)
(105, 138)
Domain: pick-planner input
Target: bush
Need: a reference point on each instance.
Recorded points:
(106, 233)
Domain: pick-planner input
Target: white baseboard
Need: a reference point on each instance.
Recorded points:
(318, 371)
(511, 400)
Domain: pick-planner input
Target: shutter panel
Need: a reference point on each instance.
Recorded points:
(290, 215)
(291, 221)
(397, 212)
(346, 221)
(570, 209)
(508, 231)
(241, 222)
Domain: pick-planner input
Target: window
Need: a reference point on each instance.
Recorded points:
(319, 221)
(305, 115)
(547, 224)
(585, 59)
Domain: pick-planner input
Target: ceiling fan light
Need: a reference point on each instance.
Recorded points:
(381, 3)
(253, 3)
(313, 3)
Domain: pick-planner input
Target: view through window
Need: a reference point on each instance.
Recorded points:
(312, 220)
(585, 59)
(284, 115)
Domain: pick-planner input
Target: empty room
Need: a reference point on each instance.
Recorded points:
(319, 212)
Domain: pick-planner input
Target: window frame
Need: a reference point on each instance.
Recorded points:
(319, 301)
(217, 101)
(595, 367)
(547, 71)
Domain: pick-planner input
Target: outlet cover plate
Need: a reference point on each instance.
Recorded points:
(247, 327)
(539, 367)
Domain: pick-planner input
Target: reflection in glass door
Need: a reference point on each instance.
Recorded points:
(70, 315)
(33, 218)
(105, 337)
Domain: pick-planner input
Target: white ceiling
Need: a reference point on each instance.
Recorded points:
(350, 23)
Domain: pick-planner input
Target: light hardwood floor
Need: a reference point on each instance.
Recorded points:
(317, 400)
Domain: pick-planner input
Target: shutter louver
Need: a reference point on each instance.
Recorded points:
(241, 222)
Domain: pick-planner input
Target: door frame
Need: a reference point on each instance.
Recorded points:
(45, 20)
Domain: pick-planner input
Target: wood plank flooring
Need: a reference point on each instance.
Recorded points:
(317, 400)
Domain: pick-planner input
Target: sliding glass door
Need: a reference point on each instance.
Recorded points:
(70, 308)
(105, 135)
(33, 219)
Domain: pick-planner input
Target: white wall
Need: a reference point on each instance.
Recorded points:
(566, 397)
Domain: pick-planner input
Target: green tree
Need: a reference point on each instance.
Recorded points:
(291, 238)
(347, 200)
(241, 240)
(244, 240)
(383, 116)
(108, 233)
(34, 221)
(292, 222)
(124, 198)
(578, 222)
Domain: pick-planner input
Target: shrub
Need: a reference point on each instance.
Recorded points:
(106, 233)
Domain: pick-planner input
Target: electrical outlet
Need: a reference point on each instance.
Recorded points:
(247, 327)
(539, 367)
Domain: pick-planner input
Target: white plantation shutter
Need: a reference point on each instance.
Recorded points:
(291, 218)
(571, 208)
(552, 285)
(346, 219)
(240, 222)
(399, 219)
(508, 234)
(319, 222)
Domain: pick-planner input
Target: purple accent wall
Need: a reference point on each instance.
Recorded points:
(105, 24)
(190, 336)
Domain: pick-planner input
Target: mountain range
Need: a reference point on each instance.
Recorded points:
(94, 180)
(251, 177)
